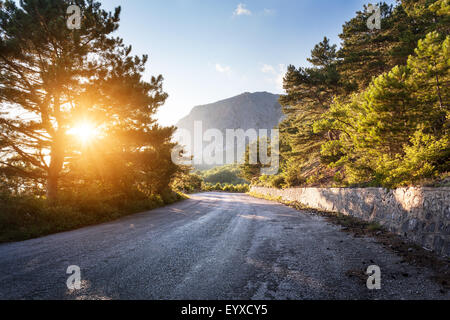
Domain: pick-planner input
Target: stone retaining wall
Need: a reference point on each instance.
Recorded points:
(420, 214)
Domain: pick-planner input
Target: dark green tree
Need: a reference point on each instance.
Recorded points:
(366, 53)
(52, 77)
(309, 93)
(396, 131)
(251, 170)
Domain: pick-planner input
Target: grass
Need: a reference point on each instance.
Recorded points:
(270, 198)
(239, 188)
(26, 217)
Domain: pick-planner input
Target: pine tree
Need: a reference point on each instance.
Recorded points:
(430, 15)
(430, 67)
(396, 131)
(309, 93)
(366, 54)
(389, 101)
(52, 77)
(251, 168)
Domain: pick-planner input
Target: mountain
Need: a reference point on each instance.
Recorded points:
(259, 110)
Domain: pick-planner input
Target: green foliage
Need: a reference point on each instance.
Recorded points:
(23, 217)
(309, 93)
(60, 78)
(254, 164)
(239, 188)
(376, 111)
(277, 181)
(395, 132)
(292, 175)
(217, 179)
(432, 15)
(430, 76)
(229, 174)
(187, 182)
(424, 158)
(365, 53)
(248, 170)
(332, 152)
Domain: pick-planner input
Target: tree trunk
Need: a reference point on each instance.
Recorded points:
(56, 165)
(52, 186)
(438, 87)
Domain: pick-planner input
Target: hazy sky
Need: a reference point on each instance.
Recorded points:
(208, 50)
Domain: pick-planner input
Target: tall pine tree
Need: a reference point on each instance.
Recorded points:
(52, 77)
(309, 93)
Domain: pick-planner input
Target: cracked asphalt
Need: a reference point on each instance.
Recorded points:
(212, 246)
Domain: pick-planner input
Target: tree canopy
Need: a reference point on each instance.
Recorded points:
(374, 111)
(54, 79)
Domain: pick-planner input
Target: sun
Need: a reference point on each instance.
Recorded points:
(84, 131)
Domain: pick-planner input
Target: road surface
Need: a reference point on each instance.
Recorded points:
(212, 246)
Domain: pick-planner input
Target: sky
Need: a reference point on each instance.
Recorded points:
(209, 50)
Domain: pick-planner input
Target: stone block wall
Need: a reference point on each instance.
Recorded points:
(420, 214)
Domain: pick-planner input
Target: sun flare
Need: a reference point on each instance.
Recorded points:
(85, 132)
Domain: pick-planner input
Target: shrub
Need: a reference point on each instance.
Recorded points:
(228, 174)
(23, 217)
(240, 188)
(272, 181)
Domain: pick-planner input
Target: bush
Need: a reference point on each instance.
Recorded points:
(187, 182)
(277, 182)
(240, 188)
(25, 217)
(228, 174)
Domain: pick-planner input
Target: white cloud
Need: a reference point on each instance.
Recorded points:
(276, 75)
(268, 12)
(280, 76)
(267, 68)
(241, 10)
(223, 69)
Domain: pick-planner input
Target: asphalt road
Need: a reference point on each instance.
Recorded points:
(212, 246)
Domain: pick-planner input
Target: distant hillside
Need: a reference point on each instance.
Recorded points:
(259, 110)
